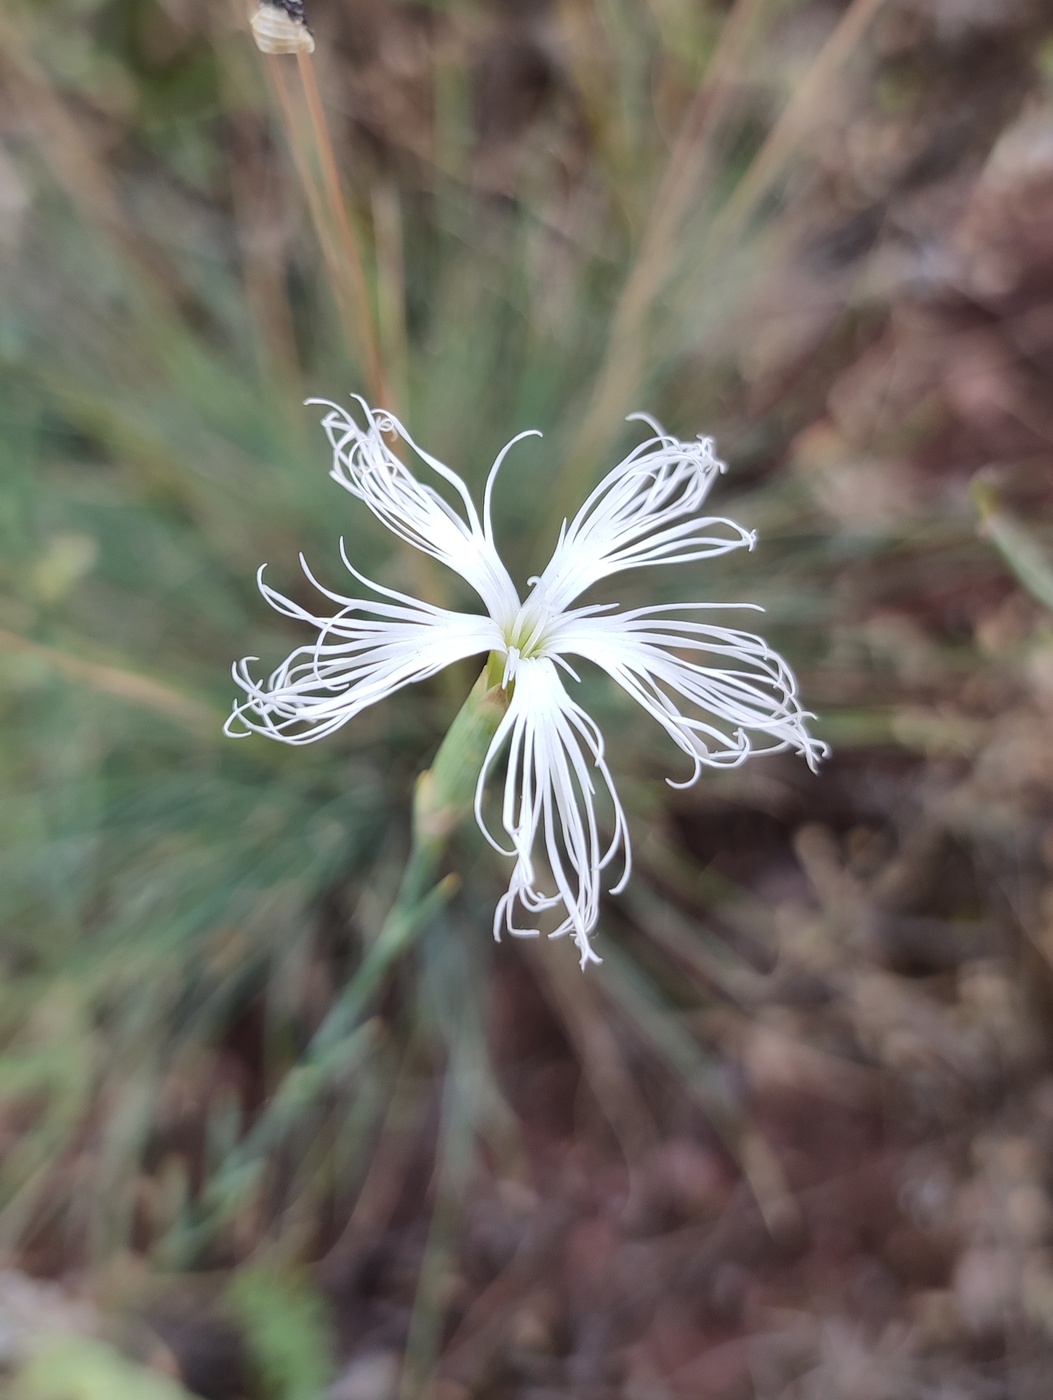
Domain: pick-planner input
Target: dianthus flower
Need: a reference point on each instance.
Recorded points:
(718, 692)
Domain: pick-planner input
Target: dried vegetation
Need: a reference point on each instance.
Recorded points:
(794, 1141)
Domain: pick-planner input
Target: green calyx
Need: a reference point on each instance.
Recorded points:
(446, 791)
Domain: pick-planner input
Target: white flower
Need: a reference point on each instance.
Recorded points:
(719, 693)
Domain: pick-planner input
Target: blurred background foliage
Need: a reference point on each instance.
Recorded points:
(791, 1140)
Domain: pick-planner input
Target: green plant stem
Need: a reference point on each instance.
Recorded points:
(454, 1158)
(1016, 544)
(445, 796)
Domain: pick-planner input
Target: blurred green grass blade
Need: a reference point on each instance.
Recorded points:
(637, 997)
(81, 1368)
(1028, 561)
(286, 1325)
(455, 1158)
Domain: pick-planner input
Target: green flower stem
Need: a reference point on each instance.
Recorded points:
(446, 791)
(445, 797)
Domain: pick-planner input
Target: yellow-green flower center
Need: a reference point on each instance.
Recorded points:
(526, 635)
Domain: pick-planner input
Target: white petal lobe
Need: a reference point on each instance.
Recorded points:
(555, 753)
(364, 653)
(720, 694)
(640, 515)
(365, 465)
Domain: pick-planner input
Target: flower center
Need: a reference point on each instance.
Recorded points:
(524, 639)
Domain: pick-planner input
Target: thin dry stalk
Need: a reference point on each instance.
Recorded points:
(264, 261)
(345, 303)
(589, 1027)
(690, 165)
(756, 1160)
(592, 64)
(395, 1153)
(483, 1329)
(801, 115)
(121, 684)
(81, 175)
(454, 1159)
(357, 319)
(391, 288)
(257, 214)
(623, 369)
(347, 243)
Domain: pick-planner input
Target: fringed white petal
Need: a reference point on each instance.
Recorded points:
(554, 749)
(365, 465)
(741, 697)
(638, 516)
(363, 653)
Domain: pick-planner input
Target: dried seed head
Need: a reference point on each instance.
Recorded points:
(280, 26)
